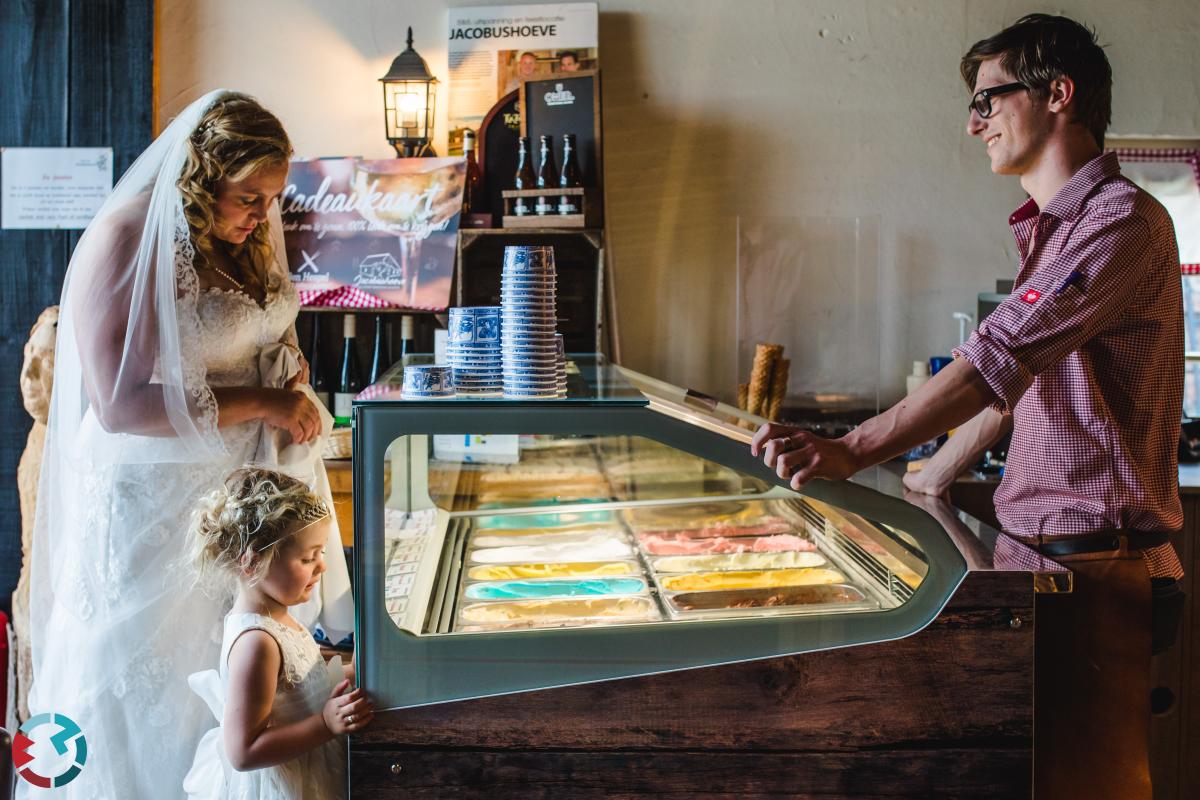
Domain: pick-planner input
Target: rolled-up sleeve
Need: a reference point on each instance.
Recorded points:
(1062, 305)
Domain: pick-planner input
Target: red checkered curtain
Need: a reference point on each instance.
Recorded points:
(1172, 175)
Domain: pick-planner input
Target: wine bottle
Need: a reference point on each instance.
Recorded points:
(406, 336)
(317, 378)
(473, 199)
(351, 379)
(381, 353)
(547, 174)
(525, 178)
(571, 177)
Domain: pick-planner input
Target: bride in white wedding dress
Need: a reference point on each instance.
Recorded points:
(173, 292)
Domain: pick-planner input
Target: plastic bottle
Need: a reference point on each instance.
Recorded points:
(919, 376)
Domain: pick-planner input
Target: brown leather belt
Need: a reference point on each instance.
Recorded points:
(1098, 542)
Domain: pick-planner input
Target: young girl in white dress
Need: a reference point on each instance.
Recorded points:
(281, 708)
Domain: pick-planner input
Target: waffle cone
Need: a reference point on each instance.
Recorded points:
(765, 356)
(779, 381)
(743, 395)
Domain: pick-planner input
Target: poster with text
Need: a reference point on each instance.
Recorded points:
(373, 234)
(493, 47)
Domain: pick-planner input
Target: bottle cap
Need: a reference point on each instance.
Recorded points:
(920, 368)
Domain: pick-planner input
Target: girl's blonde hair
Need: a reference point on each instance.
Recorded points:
(237, 529)
(236, 137)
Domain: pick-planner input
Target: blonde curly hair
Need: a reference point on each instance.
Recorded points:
(236, 137)
(238, 529)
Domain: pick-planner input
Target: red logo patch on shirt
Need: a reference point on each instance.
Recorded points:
(1031, 296)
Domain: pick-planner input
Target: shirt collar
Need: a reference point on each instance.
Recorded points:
(1068, 201)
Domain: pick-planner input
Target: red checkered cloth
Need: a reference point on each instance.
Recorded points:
(378, 391)
(1169, 155)
(350, 297)
(341, 297)
(1087, 353)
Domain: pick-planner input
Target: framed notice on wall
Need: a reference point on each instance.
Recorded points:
(567, 103)
(52, 188)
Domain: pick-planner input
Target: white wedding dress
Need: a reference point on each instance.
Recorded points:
(143, 723)
(301, 691)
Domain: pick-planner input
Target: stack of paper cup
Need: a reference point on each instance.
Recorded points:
(527, 299)
(561, 375)
(427, 381)
(474, 350)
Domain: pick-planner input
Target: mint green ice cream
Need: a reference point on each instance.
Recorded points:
(526, 590)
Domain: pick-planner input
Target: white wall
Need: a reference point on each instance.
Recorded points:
(713, 109)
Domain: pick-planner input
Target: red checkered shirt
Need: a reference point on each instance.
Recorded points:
(1087, 353)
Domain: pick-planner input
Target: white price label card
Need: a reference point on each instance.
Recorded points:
(478, 448)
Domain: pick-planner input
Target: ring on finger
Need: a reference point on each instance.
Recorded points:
(349, 718)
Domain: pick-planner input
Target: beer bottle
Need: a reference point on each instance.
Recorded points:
(570, 178)
(473, 199)
(547, 174)
(524, 179)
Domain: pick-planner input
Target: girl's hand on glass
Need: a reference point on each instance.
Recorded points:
(347, 710)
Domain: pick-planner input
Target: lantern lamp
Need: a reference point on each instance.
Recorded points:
(408, 101)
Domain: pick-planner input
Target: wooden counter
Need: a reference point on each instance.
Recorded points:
(947, 712)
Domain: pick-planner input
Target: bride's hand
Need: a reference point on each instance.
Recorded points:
(304, 374)
(291, 410)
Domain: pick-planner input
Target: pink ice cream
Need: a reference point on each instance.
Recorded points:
(768, 526)
(679, 543)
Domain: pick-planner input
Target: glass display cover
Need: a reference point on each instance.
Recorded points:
(583, 542)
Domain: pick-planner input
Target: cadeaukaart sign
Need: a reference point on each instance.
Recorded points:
(373, 233)
(491, 49)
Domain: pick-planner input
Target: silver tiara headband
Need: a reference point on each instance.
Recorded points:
(308, 517)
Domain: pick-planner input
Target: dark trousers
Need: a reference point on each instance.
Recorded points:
(1092, 676)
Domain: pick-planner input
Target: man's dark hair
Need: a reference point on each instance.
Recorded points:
(1039, 48)
(570, 53)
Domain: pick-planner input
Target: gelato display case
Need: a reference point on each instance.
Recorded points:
(556, 576)
(495, 539)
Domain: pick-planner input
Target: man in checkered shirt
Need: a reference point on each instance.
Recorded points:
(1085, 361)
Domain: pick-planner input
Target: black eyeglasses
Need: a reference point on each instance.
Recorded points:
(981, 103)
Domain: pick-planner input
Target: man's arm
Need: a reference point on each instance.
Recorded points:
(959, 452)
(957, 393)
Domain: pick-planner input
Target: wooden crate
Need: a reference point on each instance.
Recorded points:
(590, 204)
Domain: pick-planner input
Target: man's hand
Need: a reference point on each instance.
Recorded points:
(799, 456)
(922, 482)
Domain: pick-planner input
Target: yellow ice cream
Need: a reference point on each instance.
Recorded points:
(738, 561)
(579, 569)
(765, 579)
(559, 612)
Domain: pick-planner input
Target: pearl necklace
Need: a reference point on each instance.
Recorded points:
(226, 276)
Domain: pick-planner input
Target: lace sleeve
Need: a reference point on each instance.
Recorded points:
(132, 313)
(117, 351)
